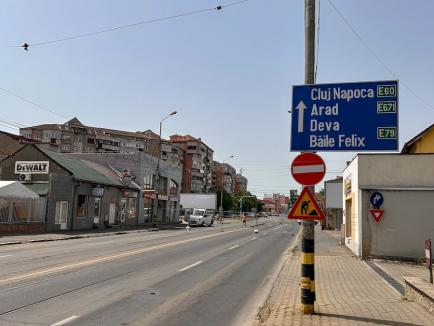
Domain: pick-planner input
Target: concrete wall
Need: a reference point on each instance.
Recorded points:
(396, 170)
(401, 233)
(407, 184)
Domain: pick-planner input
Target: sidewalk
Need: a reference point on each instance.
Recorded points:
(11, 239)
(348, 292)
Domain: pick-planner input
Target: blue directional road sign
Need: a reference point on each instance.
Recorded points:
(376, 199)
(345, 117)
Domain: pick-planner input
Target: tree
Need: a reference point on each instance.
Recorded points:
(228, 201)
(248, 203)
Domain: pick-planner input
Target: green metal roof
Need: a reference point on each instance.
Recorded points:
(39, 188)
(79, 169)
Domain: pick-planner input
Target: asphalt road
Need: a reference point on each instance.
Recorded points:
(174, 277)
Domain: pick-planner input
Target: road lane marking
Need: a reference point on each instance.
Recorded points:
(100, 243)
(190, 266)
(253, 238)
(65, 321)
(42, 272)
(5, 256)
(277, 228)
(265, 233)
(233, 247)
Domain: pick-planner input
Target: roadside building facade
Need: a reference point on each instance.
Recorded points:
(333, 203)
(79, 195)
(197, 164)
(406, 184)
(142, 168)
(421, 143)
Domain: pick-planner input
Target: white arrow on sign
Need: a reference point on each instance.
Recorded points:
(300, 107)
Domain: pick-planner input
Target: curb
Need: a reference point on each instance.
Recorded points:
(72, 237)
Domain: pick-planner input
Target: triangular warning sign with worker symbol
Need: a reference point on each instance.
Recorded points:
(306, 207)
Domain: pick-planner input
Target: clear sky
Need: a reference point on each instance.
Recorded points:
(228, 72)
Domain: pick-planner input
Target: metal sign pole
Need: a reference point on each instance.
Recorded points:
(430, 262)
(307, 282)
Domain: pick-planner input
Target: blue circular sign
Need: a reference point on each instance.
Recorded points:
(376, 199)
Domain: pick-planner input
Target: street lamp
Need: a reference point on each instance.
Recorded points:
(221, 191)
(157, 182)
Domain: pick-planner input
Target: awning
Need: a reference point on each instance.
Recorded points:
(40, 188)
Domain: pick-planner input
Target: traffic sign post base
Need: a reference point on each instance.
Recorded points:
(307, 283)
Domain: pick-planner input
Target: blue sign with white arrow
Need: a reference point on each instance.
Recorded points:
(345, 117)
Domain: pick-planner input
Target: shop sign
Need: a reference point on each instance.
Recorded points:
(33, 167)
(97, 192)
(126, 193)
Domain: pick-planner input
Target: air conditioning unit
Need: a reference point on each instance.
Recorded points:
(25, 177)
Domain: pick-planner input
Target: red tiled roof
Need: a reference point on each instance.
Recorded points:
(182, 139)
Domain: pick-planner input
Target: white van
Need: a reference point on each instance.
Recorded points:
(201, 217)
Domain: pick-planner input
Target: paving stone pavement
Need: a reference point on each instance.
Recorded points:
(399, 269)
(348, 293)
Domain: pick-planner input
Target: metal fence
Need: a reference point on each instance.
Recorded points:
(14, 211)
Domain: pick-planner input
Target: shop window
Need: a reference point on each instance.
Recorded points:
(131, 207)
(81, 206)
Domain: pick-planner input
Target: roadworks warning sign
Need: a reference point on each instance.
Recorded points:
(306, 207)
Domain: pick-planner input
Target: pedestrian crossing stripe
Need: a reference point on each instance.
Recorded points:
(306, 207)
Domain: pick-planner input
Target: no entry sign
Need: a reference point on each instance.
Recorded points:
(308, 169)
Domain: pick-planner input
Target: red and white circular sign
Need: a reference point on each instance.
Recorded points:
(308, 169)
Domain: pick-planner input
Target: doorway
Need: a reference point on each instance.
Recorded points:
(112, 213)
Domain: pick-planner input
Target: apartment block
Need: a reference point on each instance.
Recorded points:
(74, 137)
(225, 176)
(240, 183)
(197, 164)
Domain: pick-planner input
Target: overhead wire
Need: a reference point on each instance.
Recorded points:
(28, 45)
(376, 56)
(9, 126)
(13, 123)
(32, 102)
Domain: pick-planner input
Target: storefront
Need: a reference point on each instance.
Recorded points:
(80, 194)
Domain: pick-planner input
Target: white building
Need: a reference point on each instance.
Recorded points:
(406, 183)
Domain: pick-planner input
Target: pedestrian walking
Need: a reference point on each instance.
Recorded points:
(244, 219)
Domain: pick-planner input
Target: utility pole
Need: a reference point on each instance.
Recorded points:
(307, 283)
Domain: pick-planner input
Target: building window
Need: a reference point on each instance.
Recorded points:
(81, 206)
(61, 212)
(131, 207)
(148, 182)
(91, 141)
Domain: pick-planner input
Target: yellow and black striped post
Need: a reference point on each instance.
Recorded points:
(307, 283)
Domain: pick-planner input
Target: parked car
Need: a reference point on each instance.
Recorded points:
(201, 217)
